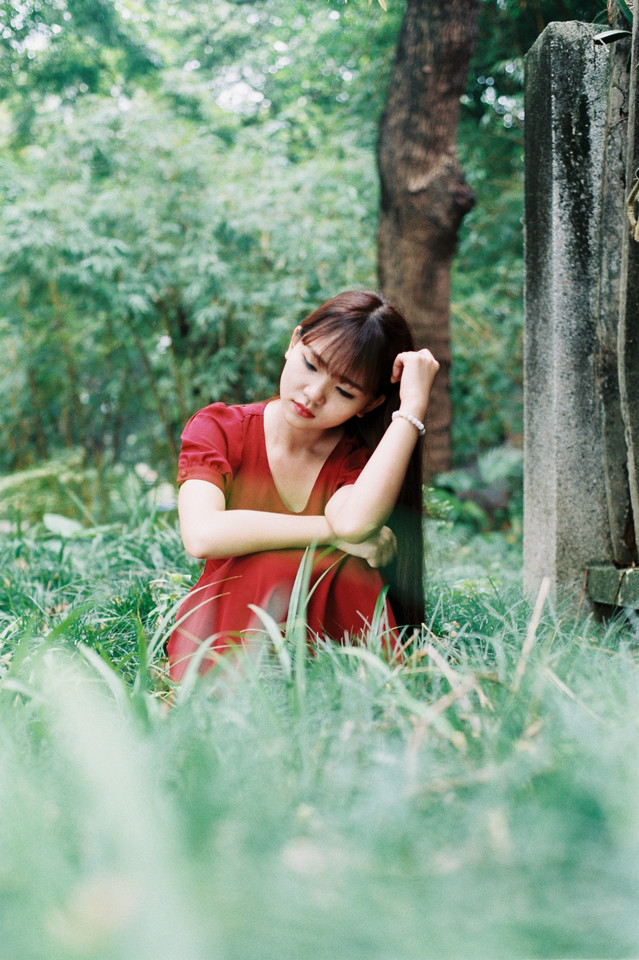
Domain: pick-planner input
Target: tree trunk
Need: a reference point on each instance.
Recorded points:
(424, 196)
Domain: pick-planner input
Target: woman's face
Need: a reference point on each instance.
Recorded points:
(313, 396)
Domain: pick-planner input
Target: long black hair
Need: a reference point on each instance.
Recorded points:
(362, 333)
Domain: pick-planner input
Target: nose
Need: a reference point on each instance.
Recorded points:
(315, 391)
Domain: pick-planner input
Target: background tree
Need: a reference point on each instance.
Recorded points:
(423, 192)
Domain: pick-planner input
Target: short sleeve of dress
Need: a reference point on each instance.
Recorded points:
(211, 443)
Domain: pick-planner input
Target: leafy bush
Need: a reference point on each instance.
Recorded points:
(141, 278)
(487, 494)
(487, 311)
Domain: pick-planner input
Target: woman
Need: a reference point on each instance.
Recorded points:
(334, 461)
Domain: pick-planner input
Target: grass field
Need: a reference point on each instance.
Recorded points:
(478, 800)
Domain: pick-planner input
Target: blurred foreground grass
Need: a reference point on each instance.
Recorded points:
(470, 803)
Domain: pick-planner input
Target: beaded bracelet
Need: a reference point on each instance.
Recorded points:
(411, 419)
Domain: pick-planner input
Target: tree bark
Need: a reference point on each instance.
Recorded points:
(424, 196)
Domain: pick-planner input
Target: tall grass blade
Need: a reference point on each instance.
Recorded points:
(379, 620)
(296, 624)
(21, 689)
(111, 678)
(277, 639)
(192, 673)
(531, 633)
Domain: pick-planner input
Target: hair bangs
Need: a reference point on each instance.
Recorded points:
(353, 352)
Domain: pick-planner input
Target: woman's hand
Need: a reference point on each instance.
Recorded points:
(378, 550)
(415, 371)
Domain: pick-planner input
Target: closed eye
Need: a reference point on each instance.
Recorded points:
(345, 393)
(311, 366)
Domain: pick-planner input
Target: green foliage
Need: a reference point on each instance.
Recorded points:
(486, 495)
(143, 276)
(626, 10)
(307, 72)
(487, 299)
(44, 488)
(65, 50)
(487, 314)
(75, 492)
(476, 799)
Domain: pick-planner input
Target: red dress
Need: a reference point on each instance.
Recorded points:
(226, 446)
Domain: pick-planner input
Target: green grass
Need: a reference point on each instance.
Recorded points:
(469, 803)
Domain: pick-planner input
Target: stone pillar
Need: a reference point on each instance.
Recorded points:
(565, 512)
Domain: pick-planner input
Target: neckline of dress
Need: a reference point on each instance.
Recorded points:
(342, 439)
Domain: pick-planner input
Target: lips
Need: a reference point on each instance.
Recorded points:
(303, 412)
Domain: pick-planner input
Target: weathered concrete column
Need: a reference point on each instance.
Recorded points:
(565, 513)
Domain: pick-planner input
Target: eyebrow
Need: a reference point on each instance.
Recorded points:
(321, 363)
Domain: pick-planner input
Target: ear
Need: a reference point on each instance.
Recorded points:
(372, 405)
(297, 332)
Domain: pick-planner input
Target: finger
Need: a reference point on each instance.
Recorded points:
(391, 547)
(398, 366)
(429, 359)
(390, 537)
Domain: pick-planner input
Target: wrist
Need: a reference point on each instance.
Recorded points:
(416, 406)
(405, 416)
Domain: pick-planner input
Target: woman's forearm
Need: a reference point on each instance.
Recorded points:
(357, 511)
(234, 533)
(211, 532)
